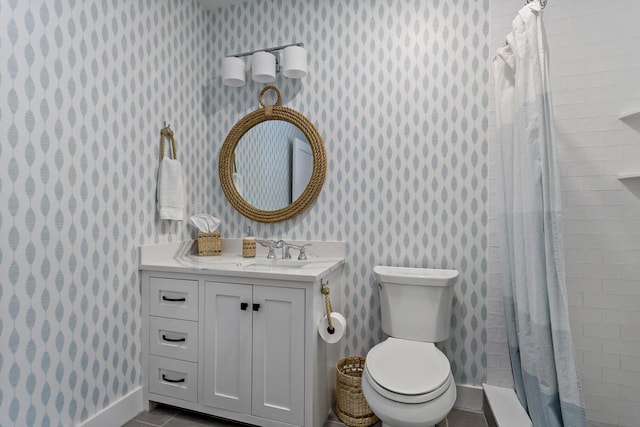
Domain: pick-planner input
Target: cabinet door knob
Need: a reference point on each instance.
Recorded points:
(256, 307)
(244, 305)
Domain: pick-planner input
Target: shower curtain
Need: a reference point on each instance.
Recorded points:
(529, 213)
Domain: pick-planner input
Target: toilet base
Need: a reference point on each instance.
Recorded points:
(387, 425)
(396, 414)
(440, 423)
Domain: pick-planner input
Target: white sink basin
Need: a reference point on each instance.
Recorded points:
(233, 262)
(216, 260)
(275, 264)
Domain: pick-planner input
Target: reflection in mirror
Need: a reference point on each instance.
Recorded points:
(271, 168)
(301, 167)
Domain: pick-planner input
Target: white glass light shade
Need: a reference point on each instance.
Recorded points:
(294, 62)
(263, 67)
(233, 71)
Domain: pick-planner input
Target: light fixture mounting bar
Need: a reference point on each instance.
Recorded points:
(270, 49)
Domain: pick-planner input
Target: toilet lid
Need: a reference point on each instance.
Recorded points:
(408, 367)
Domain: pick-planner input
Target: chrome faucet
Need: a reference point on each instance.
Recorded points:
(272, 245)
(287, 252)
(280, 244)
(301, 256)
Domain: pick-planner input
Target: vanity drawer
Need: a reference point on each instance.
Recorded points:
(173, 338)
(173, 378)
(176, 298)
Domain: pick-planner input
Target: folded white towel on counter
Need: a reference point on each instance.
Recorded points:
(171, 190)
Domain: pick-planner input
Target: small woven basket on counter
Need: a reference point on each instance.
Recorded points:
(249, 248)
(351, 406)
(209, 244)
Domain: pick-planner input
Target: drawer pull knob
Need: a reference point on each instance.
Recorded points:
(165, 298)
(256, 307)
(244, 305)
(164, 378)
(164, 337)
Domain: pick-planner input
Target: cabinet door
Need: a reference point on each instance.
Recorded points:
(278, 354)
(227, 346)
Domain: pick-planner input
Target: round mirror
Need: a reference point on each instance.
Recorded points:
(272, 164)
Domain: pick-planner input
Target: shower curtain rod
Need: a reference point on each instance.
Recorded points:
(543, 3)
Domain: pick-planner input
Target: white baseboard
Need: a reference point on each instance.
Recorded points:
(119, 412)
(469, 397)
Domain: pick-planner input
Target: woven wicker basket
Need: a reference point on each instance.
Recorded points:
(209, 244)
(351, 407)
(249, 248)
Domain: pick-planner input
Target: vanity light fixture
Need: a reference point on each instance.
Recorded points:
(233, 71)
(291, 59)
(263, 67)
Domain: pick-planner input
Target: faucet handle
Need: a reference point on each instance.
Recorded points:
(272, 253)
(265, 243)
(303, 255)
(271, 245)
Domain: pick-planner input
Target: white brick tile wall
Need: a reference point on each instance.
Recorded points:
(630, 363)
(598, 358)
(595, 77)
(630, 333)
(591, 373)
(601, 389)
(620, 377)
(622, 287)
(598, 329)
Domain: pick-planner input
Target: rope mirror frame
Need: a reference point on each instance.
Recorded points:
(226, 160)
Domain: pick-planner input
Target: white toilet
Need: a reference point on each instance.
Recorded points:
(407, 380)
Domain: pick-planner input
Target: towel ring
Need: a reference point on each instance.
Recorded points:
(166, 132)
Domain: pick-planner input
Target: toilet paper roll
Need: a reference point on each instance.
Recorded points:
(339, 326)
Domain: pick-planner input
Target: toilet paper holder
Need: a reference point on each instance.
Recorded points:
(324, 289)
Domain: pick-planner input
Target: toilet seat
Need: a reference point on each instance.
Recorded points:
(408, 371)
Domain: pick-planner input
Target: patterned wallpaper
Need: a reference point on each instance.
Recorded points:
(84, 89)
(397, 89)
(399, 92)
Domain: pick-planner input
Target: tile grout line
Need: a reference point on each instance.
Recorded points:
(144, 422)
(172, 417)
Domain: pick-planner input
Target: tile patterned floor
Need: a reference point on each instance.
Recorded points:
(168, 416)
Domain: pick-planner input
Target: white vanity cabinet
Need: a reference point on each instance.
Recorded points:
(240, 345)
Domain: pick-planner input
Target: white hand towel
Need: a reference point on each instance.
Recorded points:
(170, 190)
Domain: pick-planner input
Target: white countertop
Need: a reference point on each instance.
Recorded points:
(322, 259)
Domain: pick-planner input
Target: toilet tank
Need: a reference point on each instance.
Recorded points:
(416, 302)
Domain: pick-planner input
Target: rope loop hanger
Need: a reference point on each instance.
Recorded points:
(543, 3)
(166, 132)
(327, 305)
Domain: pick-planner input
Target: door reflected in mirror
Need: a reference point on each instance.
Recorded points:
(273, 165)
